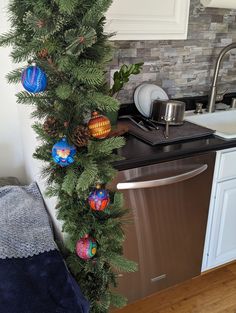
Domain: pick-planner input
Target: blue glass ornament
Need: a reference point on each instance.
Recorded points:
(34, 79)
(99, 199)
(63, 153)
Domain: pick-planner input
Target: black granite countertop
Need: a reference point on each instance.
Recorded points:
(136, 153)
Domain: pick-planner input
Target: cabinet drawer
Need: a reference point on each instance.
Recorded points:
(227, 168)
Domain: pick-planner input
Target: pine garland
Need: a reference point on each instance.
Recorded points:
(66, 39)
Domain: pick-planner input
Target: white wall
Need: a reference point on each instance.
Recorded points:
(11, 155)
(33, 166)
(17, 138)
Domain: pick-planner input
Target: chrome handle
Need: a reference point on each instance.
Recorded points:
(162, 181)
(167, 130)
(220, 96)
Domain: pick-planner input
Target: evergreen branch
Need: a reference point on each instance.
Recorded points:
(104, 303)
(105, 147)
(52, 46)
(43, 109)
(96, 12)
(38, 128)
(24, 53)
(43, 152)
(106, 172)
(42, 23)
(63, 91)
(112, 232)
(103, 102)
(8, 39)
(51, 191)
(69, 183)
(121, 264)
(76, 265)
(25, 97)
(117, 213)
(88, 177)
(66, 6)
(119, 200)
(64, 63)
(89, 73)
(70, 245)
(79, 41)
(71, 227)
(117, 300)
(79, 231)
(115, 158)
(15, 76)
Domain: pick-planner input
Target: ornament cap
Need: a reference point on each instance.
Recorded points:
(98, 186)
(95, 114)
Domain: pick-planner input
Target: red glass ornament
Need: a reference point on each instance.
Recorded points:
(86, 247)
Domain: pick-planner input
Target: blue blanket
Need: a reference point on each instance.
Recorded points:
(38, 282)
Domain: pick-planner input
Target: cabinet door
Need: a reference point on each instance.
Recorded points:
(222, 247)
(148, 20)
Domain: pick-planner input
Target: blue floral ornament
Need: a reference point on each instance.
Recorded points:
(34, 79)
(62, 153)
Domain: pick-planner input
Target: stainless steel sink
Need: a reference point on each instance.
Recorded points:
(223, 122)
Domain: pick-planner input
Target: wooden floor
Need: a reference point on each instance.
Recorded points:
(214, 292)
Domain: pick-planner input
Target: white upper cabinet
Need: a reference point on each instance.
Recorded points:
(148, 19)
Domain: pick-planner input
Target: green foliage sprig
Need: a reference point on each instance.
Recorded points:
(122, 76)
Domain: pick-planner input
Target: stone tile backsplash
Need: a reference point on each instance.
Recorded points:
(184, 67)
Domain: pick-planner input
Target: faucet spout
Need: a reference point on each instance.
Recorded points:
(213, 92)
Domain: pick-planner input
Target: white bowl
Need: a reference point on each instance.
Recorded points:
(144, 96)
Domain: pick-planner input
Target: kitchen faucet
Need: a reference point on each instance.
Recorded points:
(212, 100)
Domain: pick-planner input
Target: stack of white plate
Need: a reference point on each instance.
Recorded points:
(144, 96)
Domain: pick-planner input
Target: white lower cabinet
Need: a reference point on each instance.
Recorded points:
(220, 245)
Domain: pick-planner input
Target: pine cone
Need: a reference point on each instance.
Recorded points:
(52, 126)
(40, 23)
(43, 54)
(81, 136)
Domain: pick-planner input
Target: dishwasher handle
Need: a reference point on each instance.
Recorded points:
(162, 181)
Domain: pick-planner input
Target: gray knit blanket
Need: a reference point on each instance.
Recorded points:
(24, 223)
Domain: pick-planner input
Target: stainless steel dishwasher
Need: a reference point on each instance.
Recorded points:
(169, 203)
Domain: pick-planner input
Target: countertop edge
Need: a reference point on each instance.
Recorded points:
(145, 154)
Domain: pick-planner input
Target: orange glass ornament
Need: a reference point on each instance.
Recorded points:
(99, 126)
